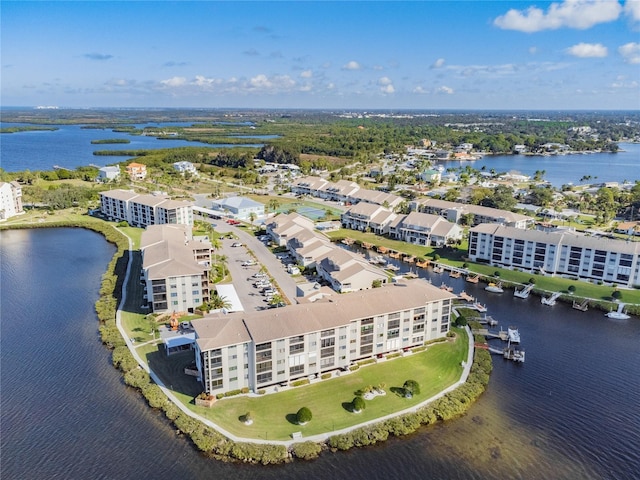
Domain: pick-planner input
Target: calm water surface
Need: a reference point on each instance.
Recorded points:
(70, 146)
(570, 412)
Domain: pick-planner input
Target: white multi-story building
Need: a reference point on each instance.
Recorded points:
(142, 210)
(346, 271)
(10, 200)
(557, 253)
(238, 207)
(368, 216)
(267, 348)
(175, 268)
(454, 211)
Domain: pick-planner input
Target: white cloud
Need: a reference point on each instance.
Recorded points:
(621, 82)
(632, 9)
(630, 52)
(445, 89)
(533, 50)
(588, 50)
(579, 14)
(386, 85)
(439, 63)
(352, 65)
(419, 90)
(306, 74)
(174, 82)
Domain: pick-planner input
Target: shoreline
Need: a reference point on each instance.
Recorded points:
(294, 448)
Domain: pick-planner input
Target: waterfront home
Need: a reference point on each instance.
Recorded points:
(343, 191)
(309, 186)
(562, 253)
(136, 171)
(628, 228)
(142, 210)
(307, 245)
(238, 207)
(108, 174)
(175, 268)
(424, 229)
(346, 271)
(368, 216)
(265, 349)
(339, 191)
(431, 176)
(10, 200)
(454, 211)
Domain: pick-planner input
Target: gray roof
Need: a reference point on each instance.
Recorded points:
(238, 202)
(219, 330)
(475, 209)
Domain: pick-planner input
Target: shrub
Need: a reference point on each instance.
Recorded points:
(412, 387)
(324, 376)
(532, 280)
(136, 378)
(306, 450)
(304, 415)
(298, 383)
(122, 358)
(358, 404)
(572, 288)
(617, 294)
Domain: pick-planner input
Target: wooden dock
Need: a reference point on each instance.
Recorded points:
(582, 306)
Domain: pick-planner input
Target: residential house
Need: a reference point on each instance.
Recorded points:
(264, 349)
(345, 271)
(367, 217)
(388, 200)
(454, 212)
(283, 226)
(136, 171)
(424, 229)
(175, 268)
(339, 191)
(185, 167)
(307, 245)
(564, 253)
(142, 210)
(108, 174)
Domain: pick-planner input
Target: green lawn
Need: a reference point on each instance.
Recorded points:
(434, 369)
(408, 248)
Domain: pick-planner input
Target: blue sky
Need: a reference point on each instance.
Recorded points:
(571, 54)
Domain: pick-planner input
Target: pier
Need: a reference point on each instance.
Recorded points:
(582, 306)
(524, 293)
(551, 301)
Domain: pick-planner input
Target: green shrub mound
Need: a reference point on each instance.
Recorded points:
(306, 450)
(304, 415)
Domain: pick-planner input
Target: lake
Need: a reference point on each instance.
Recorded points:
(569, 412)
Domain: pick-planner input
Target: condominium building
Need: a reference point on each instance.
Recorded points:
(175, 268)
(264, 349)
(565, 254)
(346, 271)
(142, 210)
(454, 211)
(10, 200)
(424, 229)
(343, 191)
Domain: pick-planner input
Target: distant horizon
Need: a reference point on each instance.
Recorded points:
(349, 55)
(317, 109)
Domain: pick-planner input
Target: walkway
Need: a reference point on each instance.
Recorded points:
(314, 438)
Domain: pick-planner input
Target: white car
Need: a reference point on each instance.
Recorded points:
(236, 244)
(248, 263)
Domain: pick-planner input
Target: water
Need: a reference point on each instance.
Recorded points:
(70, 146)
(571, 411)
(566, 169)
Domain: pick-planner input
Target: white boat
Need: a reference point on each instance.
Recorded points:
(392, 267)
(494, 288)
(618, 314)
(514, 335)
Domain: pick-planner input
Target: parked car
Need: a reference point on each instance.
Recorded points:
(248, 263)
(236, 244)
(260, 275)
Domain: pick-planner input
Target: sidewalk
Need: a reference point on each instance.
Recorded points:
(314, 438)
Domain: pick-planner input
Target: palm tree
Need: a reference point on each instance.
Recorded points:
(252, 217)
(218, 302)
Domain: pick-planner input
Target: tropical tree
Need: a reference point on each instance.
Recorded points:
(252, 217)
(218, 302)
(358, 404)
(273, 205)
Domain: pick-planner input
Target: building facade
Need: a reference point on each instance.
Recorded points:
(565, 254)
(142, 210)
(108, 174)
(264, 349)
(10, 200)
(240, 208)
(175, 268)
(136, 171)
